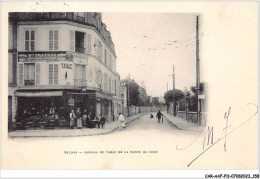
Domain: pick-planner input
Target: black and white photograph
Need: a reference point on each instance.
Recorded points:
(96, 88)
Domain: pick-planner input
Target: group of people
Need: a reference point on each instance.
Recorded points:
(79, 120)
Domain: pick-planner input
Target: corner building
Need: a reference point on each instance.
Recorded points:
(64, 61)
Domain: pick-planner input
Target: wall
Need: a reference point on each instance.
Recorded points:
(192, 116)
(132, 110)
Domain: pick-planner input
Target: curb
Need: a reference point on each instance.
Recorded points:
(101, 133)
(181, 128)
(173, 123)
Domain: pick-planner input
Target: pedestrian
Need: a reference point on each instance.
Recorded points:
(121, 120)
(88, 120)
(84, 118)
(97, 120)
(79, 118)
(102, 121)
(72, 119)
(113, 116)
(159, 115)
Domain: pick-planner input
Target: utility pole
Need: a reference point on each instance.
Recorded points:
(128, 96)
(173, 78)
(173, 88)
(197, 68)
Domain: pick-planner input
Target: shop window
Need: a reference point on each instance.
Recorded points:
(29, 74)
(53, 74)
(53, 40)
(29, 40)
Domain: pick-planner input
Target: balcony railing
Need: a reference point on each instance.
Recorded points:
(29, 82)
(80, 50)
(80, 82)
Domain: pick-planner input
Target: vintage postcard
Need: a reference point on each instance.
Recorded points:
(123, 85)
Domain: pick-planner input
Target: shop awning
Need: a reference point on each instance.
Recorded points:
(39, 94)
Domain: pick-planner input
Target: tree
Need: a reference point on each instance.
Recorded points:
(193, 88)
(193, 100)
(137, 94)
(171, 95)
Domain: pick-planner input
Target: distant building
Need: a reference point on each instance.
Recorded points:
(161, 100)
(60, 60)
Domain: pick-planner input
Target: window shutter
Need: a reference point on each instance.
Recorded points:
(38, 72)
(56, 73)
(50, 74)
(21, 74)
(72, 40)
(56, 39)
(89, 44)
(32, 40)
(50, 39)
(27, 40)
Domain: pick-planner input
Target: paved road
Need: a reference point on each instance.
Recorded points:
(143, 134)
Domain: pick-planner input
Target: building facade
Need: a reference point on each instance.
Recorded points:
(64, 61)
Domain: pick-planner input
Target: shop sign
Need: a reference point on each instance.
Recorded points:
(66, 65)
(71, 102)
(39, 94)
(32, 56)
(80, 61)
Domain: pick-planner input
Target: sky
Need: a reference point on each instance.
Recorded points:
(149, 44)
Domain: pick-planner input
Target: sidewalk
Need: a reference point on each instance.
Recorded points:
(182, 124)
(72, 132)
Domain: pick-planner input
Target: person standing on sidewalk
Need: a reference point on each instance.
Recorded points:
(72, 119)
(84, 118)
(121, 120)
(79, 118)
(159, 115)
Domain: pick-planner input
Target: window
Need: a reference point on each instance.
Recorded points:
(115, 87)
(80, 42)
(99, 51)
(53, 39)
(29, 40)
(72, 40)
(109, 85)
(110, 62)
(29, 74)
(80, 75)
(89, 43)
(105, 82)
(105, 56)
(80, 16)
(53, 74)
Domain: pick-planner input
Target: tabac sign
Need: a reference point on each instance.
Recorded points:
(32, 56)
